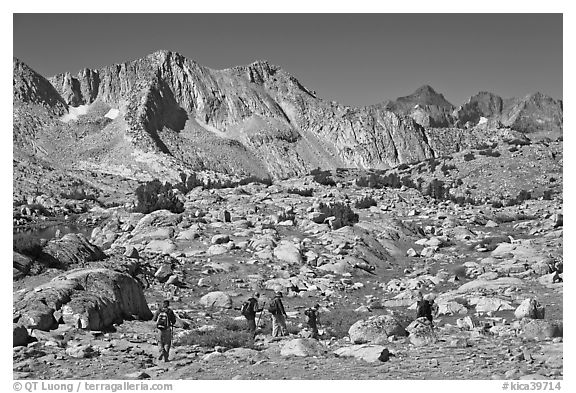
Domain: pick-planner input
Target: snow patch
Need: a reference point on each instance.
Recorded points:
(112, 113)
(75, 112)
(482, 120)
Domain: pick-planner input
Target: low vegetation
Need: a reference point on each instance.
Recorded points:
(154, 196)
(322, 177)
(344, 215)
(220, 336)
(26, 244)
(305, 192)
(365, 203)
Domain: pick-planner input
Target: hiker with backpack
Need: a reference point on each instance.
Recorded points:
(249, 309)
(425, 307)
(165, 320)
(276, 308)
(312, 320)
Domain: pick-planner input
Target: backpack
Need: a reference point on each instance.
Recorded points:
(246, 308)
(162, 322)
(424, 309)
(310, 314)
(273, 308)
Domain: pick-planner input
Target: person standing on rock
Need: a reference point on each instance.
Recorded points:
(249, 310)
(276, 308)
(165, 320)
(312, 320)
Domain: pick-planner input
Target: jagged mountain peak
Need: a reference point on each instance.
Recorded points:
(425, 89)
(31, 87)
(425, 95)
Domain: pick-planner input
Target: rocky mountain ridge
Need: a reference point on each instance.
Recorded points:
(255, 119)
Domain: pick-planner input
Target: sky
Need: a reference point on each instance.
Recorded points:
(355, 59)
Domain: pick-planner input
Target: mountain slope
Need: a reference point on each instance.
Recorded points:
(164, 114)
(170, 102)
(532, 113)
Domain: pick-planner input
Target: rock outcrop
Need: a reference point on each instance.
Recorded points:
(85, 298)
(534, 112)
(32, 88)
(376, 330)
(73, 249)
(173, 115)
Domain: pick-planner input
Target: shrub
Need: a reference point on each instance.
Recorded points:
(365, 203)
(154, 196)
(469, 157)
(337, 323)
(233, 325)
(306, 192)
(267, 181)
(220, 337)
(496, 204)
(484, 146)
(39, 209)
(28, 245)
(436, 189)
(343, 214)
(322, 177)
(78, 194)
(489, 153)
(523, 195)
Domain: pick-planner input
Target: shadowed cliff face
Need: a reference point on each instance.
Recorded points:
(29, 87)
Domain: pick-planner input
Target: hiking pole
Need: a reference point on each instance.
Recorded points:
(259, 317)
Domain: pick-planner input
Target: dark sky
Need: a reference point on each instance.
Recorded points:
(356, 59)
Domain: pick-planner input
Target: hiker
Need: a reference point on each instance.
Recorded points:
(424, 307)
(558, 269)
(276, 308)
(312, 320)
(165, 320)
(249, 310)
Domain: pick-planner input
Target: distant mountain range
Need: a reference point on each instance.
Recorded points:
(164, 113)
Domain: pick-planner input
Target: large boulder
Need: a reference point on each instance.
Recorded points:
(164, 247)
(158, 225)
(86, 298)
(451, 308)
(289, 252)
(421, 332)
(541, 329)
(158, 218)
(530, 308)
(302, 347)
(216, 299)
(34, 308)
(21, 265)
(72, 249)
(376, 330)
(108, 297)
(481, 285)
(490, 304)
(368, 353)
